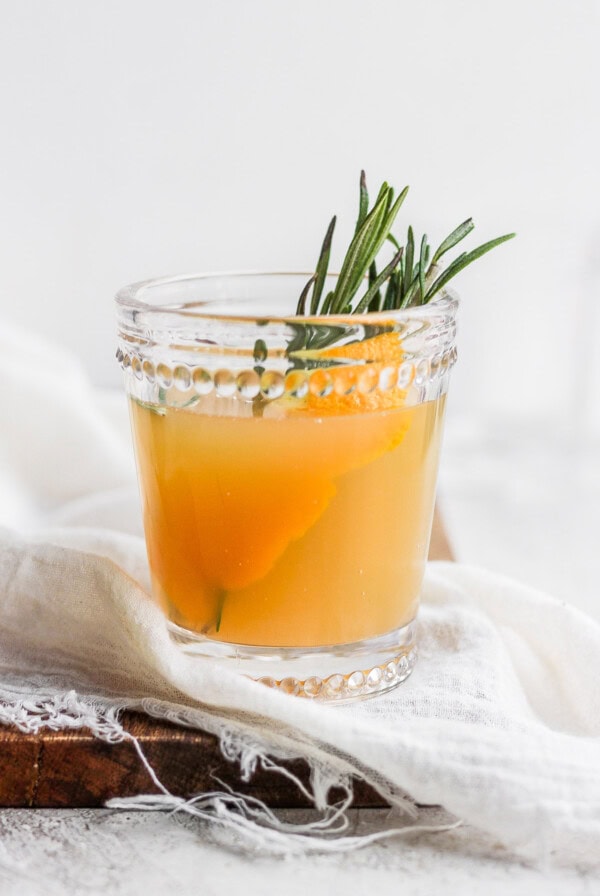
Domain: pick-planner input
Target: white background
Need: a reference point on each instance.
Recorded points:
(146, 138)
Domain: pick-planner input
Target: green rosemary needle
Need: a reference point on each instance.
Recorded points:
(412, 277)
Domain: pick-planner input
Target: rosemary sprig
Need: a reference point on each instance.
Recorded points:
(412, 277)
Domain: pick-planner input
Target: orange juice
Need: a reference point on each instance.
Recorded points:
(297, 528)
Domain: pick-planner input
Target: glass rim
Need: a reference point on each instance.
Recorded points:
(129, 297)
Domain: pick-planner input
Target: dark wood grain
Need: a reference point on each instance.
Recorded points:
(74, 769)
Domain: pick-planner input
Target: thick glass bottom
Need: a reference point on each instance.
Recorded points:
(339, 673)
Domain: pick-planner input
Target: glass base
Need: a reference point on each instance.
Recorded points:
(339, 673)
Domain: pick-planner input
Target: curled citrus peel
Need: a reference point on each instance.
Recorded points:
(352, 388)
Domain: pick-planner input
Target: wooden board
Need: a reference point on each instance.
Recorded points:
(73, 769)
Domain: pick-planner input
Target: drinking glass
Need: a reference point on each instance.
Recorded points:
(287, 468)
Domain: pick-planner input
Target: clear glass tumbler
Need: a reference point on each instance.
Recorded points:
(287, 467)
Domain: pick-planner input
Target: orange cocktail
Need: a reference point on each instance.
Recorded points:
(300, 529)
(287, 467)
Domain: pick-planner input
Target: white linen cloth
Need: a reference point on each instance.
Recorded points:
(499, 723)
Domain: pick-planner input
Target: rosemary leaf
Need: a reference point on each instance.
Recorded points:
(400, 283)
(363, 205)
(408, 260)
(409, 280)
(411, 293)
(300, 309)
(322, 265)
(393, 213)
(391, 292)
(327, 303)
(260, 351)
(376, 300)
(460, 263)
(361, 253)
(374, 288)
(455, 237)
(366, 244)
(422, 264)
(220, 602)
(383, 190)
